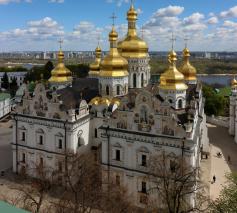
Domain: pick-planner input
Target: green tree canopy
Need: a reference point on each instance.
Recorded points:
(48, 67)
(13, 87)
(79, 70)
(5, 81)
(13, 69)
(215, 104)
(227, 201)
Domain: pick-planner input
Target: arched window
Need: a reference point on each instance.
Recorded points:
(40, 136)
(142, 80)
(180, 104)
(107, 90)
(143, 115)
(118, 90)
(134, 80)
(170, 100)
(79, 139)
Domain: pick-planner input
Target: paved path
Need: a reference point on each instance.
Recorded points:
(222, 142)
(5, 146)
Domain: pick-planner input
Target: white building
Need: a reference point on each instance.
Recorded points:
(48, 122)
(5, 104)
(148, 123)
(20, 76)
(126, 120)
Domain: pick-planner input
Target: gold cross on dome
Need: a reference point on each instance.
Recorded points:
(173, 39)
(132, 2)
(186, 39)
(142, 31)
(113, 17)
(98, 38)
(60, 41)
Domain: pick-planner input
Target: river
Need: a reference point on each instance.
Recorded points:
(220, 79)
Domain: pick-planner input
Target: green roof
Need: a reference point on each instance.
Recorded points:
(5, 207)
(4, 96)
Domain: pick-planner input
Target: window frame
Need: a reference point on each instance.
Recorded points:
(144, 163)
(118, 157)
(144, 187)
(23, 159)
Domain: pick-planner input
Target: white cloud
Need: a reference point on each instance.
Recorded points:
(231, 13)
(16, 1)
(205, 32)
(213, 20)
(56, 1)
(118, 2)
(169, 11)
(193, 19)
(230, 24)
(45, 28)
(139, 11)
(164, 21)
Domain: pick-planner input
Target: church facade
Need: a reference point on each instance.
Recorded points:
(120, 114)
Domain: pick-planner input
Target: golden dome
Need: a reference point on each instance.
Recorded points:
(95, 66)
(132, 46)
(60, 73)
(187, 69)
(104, 101)
(113, 65)
(116, 101)
(234, 82)
(172, 79)
(95, 101)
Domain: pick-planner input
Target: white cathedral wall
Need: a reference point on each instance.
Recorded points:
(31, 147)
(95, 123)
(112, 82)
(175, 96)
(5, 107)
(232, 116)
(49, 151)
(139, 66)
(130, 165)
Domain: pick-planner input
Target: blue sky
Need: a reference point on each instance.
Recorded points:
(37, 24)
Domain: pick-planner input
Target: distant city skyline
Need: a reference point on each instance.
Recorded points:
(28, 25)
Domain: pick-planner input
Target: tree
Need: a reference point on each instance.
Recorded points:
(13, 86)
(82, 179)
(34, 191)
(5, 81)
(227, 201)
(174, 186)
(79, 70)
(48, 67)
(84, 192)
(75, 187)
(215, 104)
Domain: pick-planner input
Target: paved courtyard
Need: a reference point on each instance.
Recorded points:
(5, 145)
(221, 141)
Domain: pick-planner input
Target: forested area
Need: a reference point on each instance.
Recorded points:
(203, 66)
